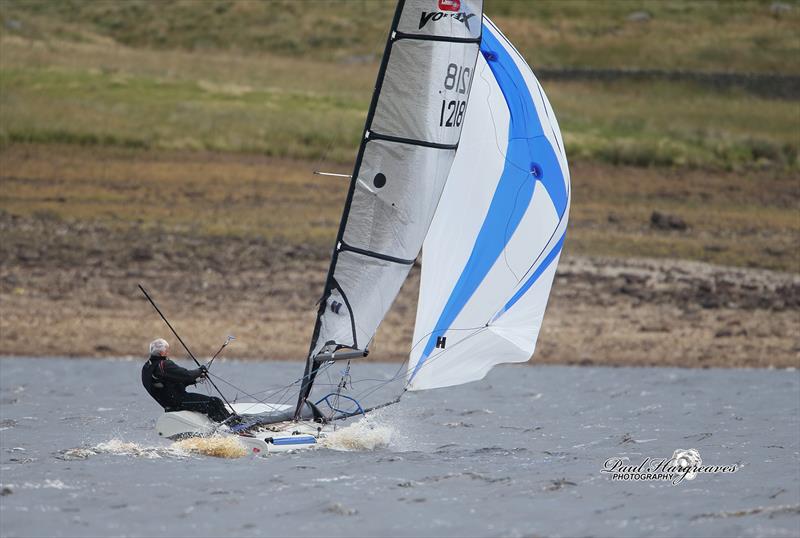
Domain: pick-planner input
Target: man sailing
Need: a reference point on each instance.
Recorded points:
(166, 382)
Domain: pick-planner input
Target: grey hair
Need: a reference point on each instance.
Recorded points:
(158, 346)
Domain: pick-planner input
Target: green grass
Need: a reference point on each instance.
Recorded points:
(724, 35)
(294, 79)
(675, 124)
(101, 94)
(705, 35)
(89, 106)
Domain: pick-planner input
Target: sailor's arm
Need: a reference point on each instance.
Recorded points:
(176, 373)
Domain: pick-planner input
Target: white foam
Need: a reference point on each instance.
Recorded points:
(47, 484)
(123, 448)
(369, 433)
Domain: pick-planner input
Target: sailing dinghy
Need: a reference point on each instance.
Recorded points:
(463, 158)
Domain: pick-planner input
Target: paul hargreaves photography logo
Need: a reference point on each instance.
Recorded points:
(683, 465)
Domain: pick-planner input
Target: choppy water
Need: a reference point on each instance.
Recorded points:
(518, 454)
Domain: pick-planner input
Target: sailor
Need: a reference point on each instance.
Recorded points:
(166, 382)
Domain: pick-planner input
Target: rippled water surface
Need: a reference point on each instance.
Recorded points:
(518, 454)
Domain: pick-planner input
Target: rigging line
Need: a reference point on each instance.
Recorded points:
(544, 249)
(286, 395)
(239, 389)
(552, 235)
(285, 389)
(507, 237)
(272, 404)
(425, 336)
(281, 387)
(374, 389)
(398, 374)
(383, 383)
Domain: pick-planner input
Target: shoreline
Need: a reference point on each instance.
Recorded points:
(603, 311)
(532, 363)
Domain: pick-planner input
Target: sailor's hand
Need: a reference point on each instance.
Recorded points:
(203, 373)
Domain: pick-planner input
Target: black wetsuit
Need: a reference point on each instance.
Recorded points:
(166, 382)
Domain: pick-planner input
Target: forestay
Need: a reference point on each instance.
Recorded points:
(491, 252)
(410, 138)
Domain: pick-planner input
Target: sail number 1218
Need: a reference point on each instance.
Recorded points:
(452, 113)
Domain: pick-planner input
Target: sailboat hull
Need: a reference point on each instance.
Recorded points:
(278, 437)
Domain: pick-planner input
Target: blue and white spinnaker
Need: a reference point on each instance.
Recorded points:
(490, 255)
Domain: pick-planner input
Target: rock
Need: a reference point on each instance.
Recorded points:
(654, 328)
(777, 9)
(639, 16)
(557, 484)
(141, 254)
(28, 255)
(662, 221)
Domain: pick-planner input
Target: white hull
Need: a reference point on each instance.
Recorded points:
(278, 437)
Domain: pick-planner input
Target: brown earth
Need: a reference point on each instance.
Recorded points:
(71, 290)
(239, 244)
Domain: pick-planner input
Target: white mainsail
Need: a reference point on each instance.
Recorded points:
(492, 249)
(410, 139)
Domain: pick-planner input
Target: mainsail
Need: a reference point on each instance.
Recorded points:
(491, 252)
(410, 139)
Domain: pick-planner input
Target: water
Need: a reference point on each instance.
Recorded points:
(518, 454)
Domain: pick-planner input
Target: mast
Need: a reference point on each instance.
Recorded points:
(411, 134)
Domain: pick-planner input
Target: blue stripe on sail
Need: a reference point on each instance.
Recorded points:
(529, 158)
(534, 277)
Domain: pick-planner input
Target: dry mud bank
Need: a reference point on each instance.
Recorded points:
(72, 290)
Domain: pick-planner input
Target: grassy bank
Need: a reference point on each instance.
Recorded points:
(107, 94)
